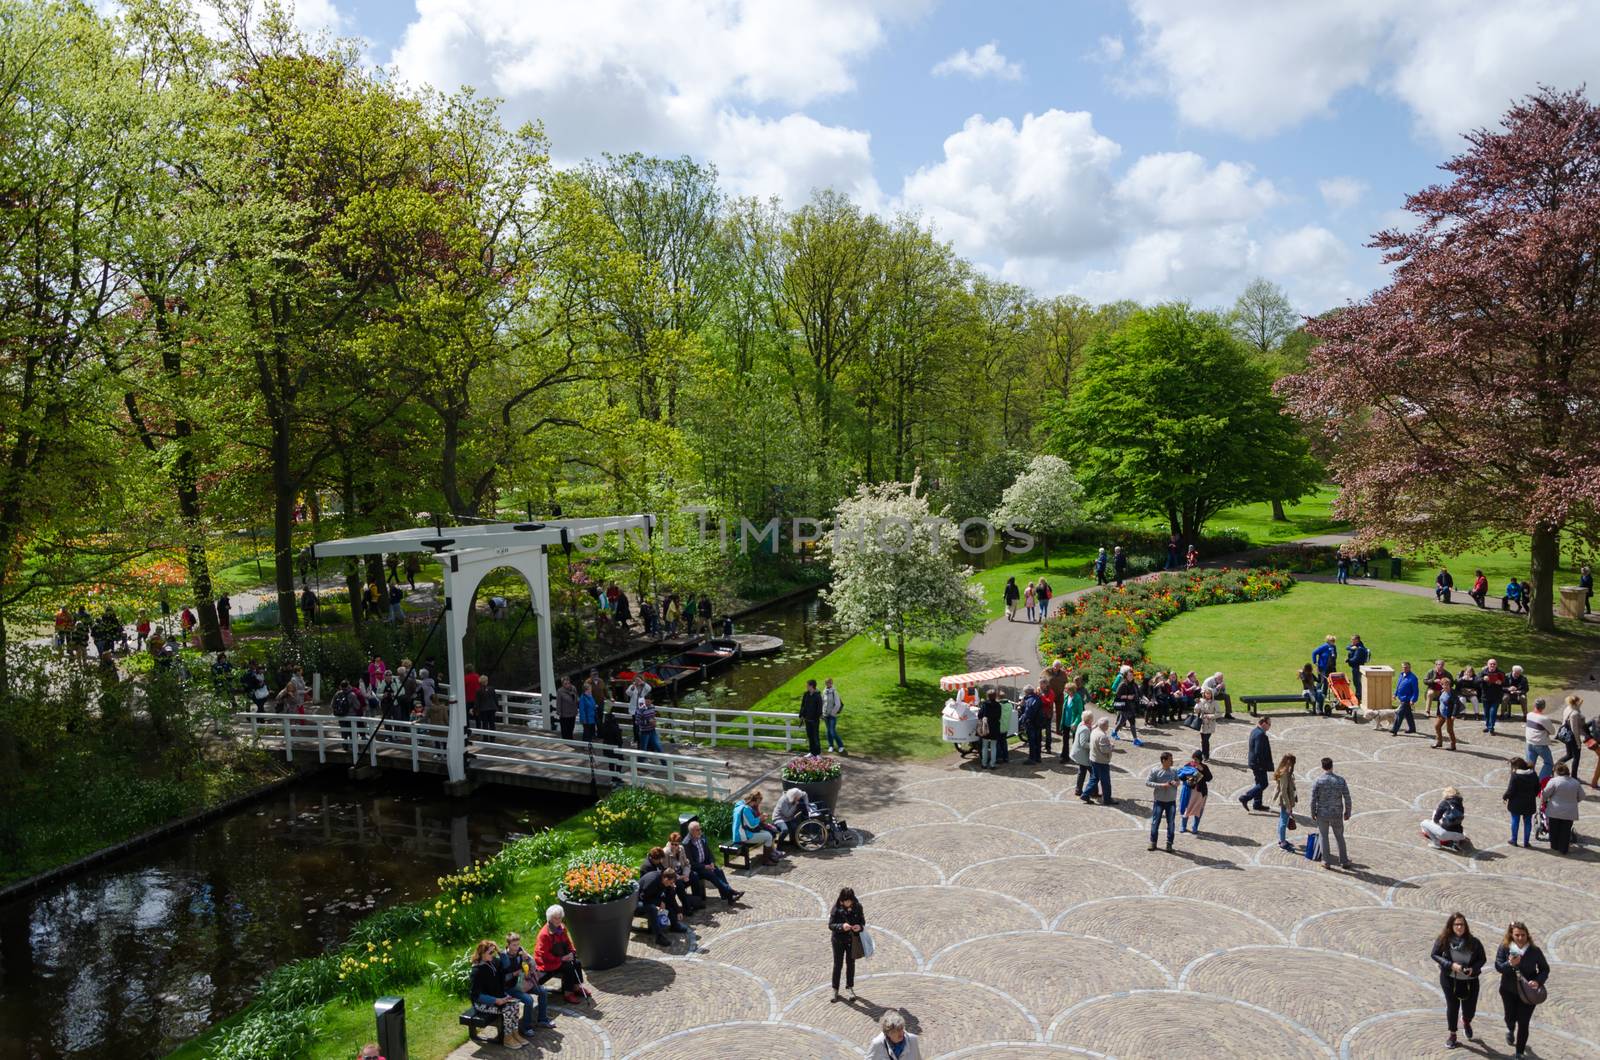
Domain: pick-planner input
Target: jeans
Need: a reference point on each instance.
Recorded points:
(1284, 817)
(710, 871)
(1572, 754)
(1253, 796)
(589, 731)
(991, 752)
(831, 723)
(1336, 824)
(1403, 714)
(1527, 827)
(1158, 810)
(1541, 755)
(650, 741)
(535, 1008)
(1128, 720)
(1491, 713)
(1035, 734)
(1099, 781)
(397, 615)
(524, 1025)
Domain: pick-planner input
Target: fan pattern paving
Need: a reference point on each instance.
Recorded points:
(1013, 921)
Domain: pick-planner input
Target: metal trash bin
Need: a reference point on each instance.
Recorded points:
(1394, 567)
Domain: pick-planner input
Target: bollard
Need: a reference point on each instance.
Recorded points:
(390, 1013)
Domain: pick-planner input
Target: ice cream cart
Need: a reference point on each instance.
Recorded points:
(958, 722)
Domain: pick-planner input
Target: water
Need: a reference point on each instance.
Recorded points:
(153, 948)
(808, 634)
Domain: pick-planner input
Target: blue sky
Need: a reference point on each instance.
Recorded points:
(1111, 148)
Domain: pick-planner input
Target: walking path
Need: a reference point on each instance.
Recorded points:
(1014, 922)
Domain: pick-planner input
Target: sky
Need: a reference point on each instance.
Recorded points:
(1143, 149)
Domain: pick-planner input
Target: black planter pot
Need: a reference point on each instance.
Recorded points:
(825, 792)
(600, 931)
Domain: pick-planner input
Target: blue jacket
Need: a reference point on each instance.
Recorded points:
(1260, 749)
(1405, 687)
(588, 713)
(745, 821)
(1028, 712)
(1357, 654)
(1322, 657)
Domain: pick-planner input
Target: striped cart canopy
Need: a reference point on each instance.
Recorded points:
(999, 673)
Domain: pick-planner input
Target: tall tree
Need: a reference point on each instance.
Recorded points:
(1265, 320)
(1462, 395)
(1043, 499)
(1173, 417)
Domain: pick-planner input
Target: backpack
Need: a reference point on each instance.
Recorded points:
(1453, 816)
(341, 704)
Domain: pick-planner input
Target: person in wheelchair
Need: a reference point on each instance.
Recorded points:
(793, 807)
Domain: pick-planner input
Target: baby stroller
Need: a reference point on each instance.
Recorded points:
(1541, 819)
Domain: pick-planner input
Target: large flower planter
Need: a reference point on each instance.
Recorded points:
(825, 792)
(600, 931)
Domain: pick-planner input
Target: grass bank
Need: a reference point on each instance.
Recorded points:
(1260, 646)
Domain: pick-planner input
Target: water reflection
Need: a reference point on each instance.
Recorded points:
(808, 634)
(152, 949)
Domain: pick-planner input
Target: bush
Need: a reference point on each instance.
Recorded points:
(1101, 631)
(309, 981)
(627, 815)
(369, 970)
(811, 769)
(716, 820)
(395, 922)
(529, 851)
(266, 1035)
(459, 918)
(481, 877)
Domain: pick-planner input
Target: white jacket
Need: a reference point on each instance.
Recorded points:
(879, 1049)
(830, 703)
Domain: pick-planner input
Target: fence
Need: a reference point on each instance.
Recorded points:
(707, 725)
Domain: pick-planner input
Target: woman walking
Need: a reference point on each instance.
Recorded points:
(1446, 719)
(1561, 797)
(846, 922)
(1286, 799)
(1080, 751)
(1071, 716)
(1522, 799)
(1011, 594)
(1205, 709)
(1460, 958)
(1519, 961)
(1198, 784)
(832, 706)
(1027, 602)
(1571, 732)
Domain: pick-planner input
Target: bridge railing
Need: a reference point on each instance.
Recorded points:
(527, 709)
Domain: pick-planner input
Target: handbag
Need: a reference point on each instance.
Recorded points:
(1291, 826)
(1193, 722)
(1564, 734)
(865, 938)
(1532, 992)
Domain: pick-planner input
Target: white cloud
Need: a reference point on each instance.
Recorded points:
(1254, 68)
(1047, 203)
(1341, 193)
(1178, 189)
(984, 61)
(1108, 50)
(722, 80)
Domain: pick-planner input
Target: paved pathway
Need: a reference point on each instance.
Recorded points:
(1013, 921)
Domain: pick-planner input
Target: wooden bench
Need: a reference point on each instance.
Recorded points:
(1250, 702)
(475, 1019)
(738, 850)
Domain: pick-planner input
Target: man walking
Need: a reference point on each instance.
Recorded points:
(1260, 763)
(1405, 692)
(1100, 567)
(1330, 809)
(1029, 717)
(1163, 781)
(811, 714)
(1119, 565)
(1356, 654)
(1099, 763)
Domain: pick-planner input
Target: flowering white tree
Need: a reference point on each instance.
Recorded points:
(1043, 499)
(894, 572)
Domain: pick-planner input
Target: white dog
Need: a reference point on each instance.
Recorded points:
(1379, 718)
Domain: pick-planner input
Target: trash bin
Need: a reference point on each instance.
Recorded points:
(1394, 567)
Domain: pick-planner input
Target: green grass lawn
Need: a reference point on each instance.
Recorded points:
(1261, 646)
(881, 718)
(1309, 518)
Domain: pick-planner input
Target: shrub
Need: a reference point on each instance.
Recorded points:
(1100, 631)
(716, 820)
(367, 971)
(395, 922)
(308, 981)
(266, 1035)
(458, 918)
(627, 815)
(598, 874)
(481, 877)
(811, 769)
(454, 976)
(530, 851)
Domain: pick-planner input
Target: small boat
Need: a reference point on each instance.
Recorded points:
(714, 656)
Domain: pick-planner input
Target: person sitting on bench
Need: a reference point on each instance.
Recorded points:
(518, 974)
(658, 903)
(1516, 692)
(1219, 692)
(489, 994)
(554, 955)
(656, 861)
(748, 827)
(703, 866)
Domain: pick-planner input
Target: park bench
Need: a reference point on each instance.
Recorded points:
(1251, 702)
(737, 850)
(476, 1018)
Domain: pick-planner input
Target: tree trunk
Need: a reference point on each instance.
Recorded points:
(901, 649)
(1278, 515)
(1546, 553)
(283, 537)
(1044, 539)
(10, 754)
(1172, 519)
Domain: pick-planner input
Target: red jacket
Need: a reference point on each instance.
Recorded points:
(550, 948)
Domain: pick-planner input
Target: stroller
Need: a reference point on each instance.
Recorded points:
(1541, 819)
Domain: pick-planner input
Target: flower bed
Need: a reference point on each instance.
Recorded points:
(599, 874)
(1099, 632)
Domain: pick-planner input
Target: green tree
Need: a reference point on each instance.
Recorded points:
(1043, 499)
(1264, 320)
(1172, 417)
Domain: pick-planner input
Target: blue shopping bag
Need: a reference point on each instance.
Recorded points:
(1311, 846)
